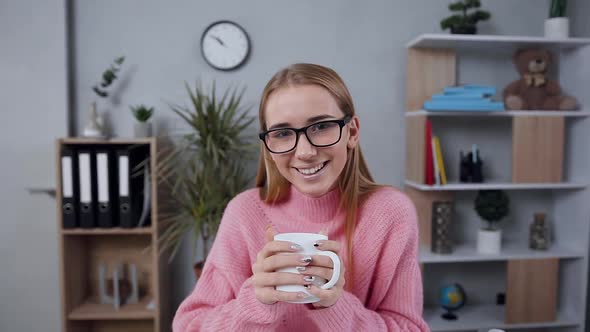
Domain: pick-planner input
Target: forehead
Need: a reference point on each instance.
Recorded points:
(294, 105)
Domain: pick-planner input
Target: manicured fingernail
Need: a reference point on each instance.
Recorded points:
(317, 244)
(300, 268)
(309, 278)
(295, 247)
(306, 259)
(301, 295)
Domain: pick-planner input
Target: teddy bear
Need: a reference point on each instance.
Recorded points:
(535, 90)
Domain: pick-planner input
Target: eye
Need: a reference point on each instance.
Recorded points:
(281, 133)
(322, 126)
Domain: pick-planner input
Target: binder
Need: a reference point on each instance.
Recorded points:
(69, 187)
(106, 195)
(131, 165)
(87, 181)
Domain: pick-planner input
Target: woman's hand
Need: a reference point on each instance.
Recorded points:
(276, 255)
(321, 266)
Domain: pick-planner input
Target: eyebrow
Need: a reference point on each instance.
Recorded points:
(309, 121)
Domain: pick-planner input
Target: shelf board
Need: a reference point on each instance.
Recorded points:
(492, 43)
(116, 140)
(486, 317)
(92, 310)
(468, 253)
(107, 231)
(494, 185)
(450, 113)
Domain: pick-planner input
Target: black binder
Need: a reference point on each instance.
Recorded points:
(87, 182)
(130, 163)
(106, 176)
(69, 187)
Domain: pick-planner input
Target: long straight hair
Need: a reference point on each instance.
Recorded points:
(355, 181)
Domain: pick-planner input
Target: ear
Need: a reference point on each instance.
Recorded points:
(549, 56)
(516, 55)
(354, 131)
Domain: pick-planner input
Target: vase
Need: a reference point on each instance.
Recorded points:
(142, 129)
(94, 128)
(557, 27)
(489, 241)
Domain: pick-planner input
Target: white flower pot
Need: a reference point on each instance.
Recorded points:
(557, 27)
(489, 241)
(142, 129)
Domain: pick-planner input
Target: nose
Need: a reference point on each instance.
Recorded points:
(304, 149)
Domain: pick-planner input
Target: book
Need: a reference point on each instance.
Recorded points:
(435, 163)
(429, 167)
(439, 160)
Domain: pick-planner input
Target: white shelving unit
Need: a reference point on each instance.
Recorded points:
(467, 253)
(433, 65)
(499, 185)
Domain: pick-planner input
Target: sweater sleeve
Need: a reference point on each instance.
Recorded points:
(224, 297)
(400, 305)
(212, 306)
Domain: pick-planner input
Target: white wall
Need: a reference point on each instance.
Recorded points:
(33, 104)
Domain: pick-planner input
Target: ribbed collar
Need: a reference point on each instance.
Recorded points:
(312, 209)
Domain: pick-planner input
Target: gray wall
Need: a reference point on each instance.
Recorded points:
(363, 41)
(33, 104)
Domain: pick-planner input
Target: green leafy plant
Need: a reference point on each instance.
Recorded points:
(108, 77)
(205, 168)
(492, 206)
(466, 21)
(557, 8)
(141, 112)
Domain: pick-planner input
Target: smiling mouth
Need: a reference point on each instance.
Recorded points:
(311, 171)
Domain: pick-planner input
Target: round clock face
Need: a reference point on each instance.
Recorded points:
(225, 45)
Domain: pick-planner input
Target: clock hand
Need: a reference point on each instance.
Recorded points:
(218, 39)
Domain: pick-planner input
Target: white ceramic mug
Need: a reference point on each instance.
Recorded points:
(306, 241)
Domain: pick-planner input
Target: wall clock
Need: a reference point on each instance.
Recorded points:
(225, 45)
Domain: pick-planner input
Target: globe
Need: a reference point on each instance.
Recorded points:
(452, 297)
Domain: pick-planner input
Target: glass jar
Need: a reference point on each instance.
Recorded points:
(540, 235)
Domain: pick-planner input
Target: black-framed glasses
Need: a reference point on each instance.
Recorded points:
(320, 134)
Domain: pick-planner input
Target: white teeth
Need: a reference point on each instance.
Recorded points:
(310, 171)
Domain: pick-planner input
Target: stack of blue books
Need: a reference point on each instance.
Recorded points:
(465, 98)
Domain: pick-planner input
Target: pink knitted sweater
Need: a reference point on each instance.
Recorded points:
(387, 290)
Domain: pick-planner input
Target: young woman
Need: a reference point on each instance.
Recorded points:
(311, 178)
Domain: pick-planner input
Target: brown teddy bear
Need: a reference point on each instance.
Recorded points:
(535, 90)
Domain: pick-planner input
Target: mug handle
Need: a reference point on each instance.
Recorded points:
(336, 274)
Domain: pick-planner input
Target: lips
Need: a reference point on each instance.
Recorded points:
(311, 170)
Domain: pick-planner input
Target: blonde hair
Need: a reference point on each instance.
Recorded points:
(355, 181)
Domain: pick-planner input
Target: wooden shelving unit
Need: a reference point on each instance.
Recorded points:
(542, 164)
(82, 250)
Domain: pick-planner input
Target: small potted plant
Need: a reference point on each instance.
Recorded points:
(95, 126)
(465, 22)
(492, 206)
(142, 113)
(557, 25)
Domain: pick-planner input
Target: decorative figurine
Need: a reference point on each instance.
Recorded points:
(540, 234)
(441, 242)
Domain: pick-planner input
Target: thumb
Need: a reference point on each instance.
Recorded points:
(269, 233)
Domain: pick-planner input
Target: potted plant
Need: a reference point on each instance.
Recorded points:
(142, 113)
(205, 168)
(557, 25)
(465, 22)
(95, 126)
(492, 206)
